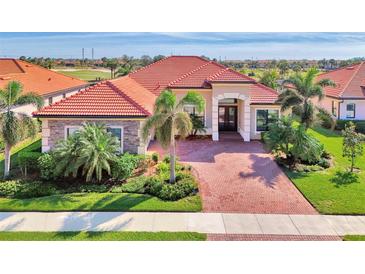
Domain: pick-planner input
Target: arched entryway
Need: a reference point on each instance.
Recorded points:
(231, 113)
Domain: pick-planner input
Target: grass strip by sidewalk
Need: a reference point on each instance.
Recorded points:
(101, 202)
(354, 238)
(102, 236)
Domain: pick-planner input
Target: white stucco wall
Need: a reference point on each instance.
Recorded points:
(359, 109)
(28, 109)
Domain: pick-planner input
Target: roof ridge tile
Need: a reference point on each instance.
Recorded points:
(189, 73)
(129, 99)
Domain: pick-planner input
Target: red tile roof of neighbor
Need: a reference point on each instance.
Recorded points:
(103, 99)
(135, 94)
(35, 78)
(350, 82)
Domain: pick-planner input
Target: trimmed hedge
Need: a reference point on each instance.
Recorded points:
(360, 125)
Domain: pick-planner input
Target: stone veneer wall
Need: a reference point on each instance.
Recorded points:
(54, 130)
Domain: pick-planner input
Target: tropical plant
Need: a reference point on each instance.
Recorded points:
(169, 119)
(293, 142)
(91, 149)
(280, 135)
(300, 89)
(305, 147)
(326, 118)
(198, 124)
(270, 78)
(352, 144)
(14, 126)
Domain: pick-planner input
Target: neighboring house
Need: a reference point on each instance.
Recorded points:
(346, 101)
(234, 102)
(52, 86)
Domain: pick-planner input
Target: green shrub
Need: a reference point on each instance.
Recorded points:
(325, 163)
(87, 188)
(47, 167)
(26, 189)
(154, 185)
(134, 185)
(359, 125)
(123, 167)
(155, 157)
(28, 161)
(178, 190)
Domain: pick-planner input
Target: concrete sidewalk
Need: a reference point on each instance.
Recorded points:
(218, 223)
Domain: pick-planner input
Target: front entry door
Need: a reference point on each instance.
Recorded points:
(227, 120)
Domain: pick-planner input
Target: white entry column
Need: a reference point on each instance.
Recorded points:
(247, 120)
(215, 132)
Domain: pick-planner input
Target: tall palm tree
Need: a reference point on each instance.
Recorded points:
(170, 119)
(300, 89)
(16, 126)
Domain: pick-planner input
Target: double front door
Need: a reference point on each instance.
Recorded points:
(227, 118)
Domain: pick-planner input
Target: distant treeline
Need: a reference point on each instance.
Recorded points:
(125, 64)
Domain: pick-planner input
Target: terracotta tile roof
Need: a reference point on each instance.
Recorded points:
(209, 72)
(101, 100)
(157, 76)
(35, 78)
(261, 94)
(349, 82)
(135, 94)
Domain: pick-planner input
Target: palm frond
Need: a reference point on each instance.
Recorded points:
(30, 98)
(193, 98)
(153, 122)
(183, 124)
(165, 102)
(326, 83)
(164, 133)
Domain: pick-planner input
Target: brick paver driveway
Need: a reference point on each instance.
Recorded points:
(240, 177)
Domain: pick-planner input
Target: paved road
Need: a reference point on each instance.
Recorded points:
(217, 223)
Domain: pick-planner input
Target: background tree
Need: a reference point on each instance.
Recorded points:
(170, 119)
(352, 144)
(158, 58)
(14, 127)
(112, 64)
(283, 67)
(270, 78)
(300, 88)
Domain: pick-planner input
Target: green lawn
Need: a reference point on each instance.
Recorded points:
(102, 236)
(330, 191)
(87, 75)
(100, 202)
(354, 238)
(30, 144)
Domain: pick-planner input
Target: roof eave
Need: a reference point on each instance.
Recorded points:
(89, 116)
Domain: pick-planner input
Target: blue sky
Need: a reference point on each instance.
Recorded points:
(219, 45)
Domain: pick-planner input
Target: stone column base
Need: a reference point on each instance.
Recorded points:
(215, 136)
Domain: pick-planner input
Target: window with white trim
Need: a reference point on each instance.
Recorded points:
(350, 110)
(192, 110)
(117, 132)
(69, 130)
(264, 117)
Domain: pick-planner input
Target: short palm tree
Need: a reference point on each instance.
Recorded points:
(270, 78)
(16, 126)
(170, 119)
(91, 148)
(300, 89)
